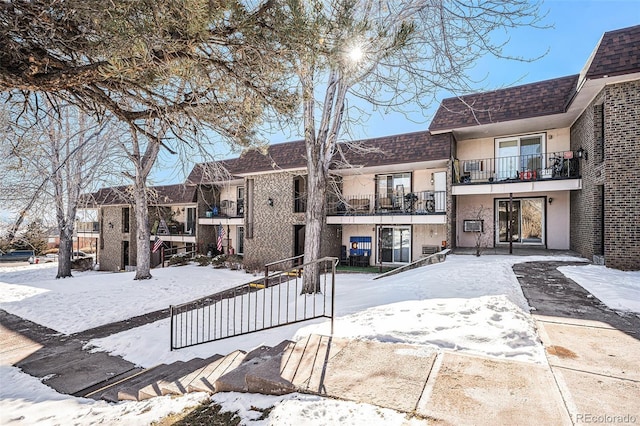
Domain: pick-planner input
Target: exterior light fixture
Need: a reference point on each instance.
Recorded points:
(550, 200)
(582, 154)
(270, 202)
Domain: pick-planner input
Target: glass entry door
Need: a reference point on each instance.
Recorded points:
(395, 244)
(527, 221)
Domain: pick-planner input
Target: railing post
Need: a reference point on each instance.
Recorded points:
(333, 293)
(171, 326)
(266, 276)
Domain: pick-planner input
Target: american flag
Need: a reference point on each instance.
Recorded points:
(157, 243)
(220, 236)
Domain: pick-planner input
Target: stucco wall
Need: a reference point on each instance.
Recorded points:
(556, 223)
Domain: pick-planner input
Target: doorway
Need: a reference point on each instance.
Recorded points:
(125, 254)
(395, 244)
(298, 240)
(527, 221)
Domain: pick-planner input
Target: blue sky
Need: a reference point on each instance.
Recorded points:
(577, 26)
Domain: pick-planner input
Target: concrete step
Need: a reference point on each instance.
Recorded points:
(154, 389)
(180, 385)
(131, 390)
(111, 393)
(235, 380)
(205, 381)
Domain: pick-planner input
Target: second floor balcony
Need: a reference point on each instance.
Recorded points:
(533, 172)
(397, 207)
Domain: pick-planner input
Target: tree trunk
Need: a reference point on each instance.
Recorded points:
(143, 232)
(64, 254)
(315, 219)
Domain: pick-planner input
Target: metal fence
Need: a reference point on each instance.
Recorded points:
(269, 302)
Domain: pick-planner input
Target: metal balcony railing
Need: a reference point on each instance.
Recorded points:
(225, 208)
(409, 203)
(269, 302)
(552, 165)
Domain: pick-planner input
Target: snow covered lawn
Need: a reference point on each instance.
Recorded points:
(466, 304)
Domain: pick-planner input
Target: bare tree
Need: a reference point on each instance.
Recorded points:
(175, 72)
(393, 55)
(53, 161)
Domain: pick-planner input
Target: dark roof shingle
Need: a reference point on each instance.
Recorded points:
(162, 194)
(387, 150)
(513, 103)
(617, 54)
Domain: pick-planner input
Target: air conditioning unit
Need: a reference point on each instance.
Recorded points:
(473, 226)
(429, 250)
(473, 166)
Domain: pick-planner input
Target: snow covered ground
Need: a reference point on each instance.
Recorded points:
(467, 304)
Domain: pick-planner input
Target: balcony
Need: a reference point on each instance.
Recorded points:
(178, 232)
(226, 212)
(225, 209)
(523, 173)
(398, 207)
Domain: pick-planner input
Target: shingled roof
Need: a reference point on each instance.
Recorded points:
(163, 194)
(514, 103)
(618, 53)
(387, 150)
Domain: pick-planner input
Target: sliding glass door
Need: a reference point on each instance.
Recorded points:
(518, 157)
(395, 244)
(527, 219)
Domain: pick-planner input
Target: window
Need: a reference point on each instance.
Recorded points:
(519, 154)
(240, 202)
(299, 194)
(249, 209)
(240, 241)
(125, 219)
(391, 189)
(191, 221)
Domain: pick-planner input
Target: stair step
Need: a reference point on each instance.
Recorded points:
(295, 361)
(129, 390)
(111, 393)
(180, 385)
(154, 389)
(206, 381)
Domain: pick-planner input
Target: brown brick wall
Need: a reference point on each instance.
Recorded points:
(273, 226)
(110, 255)
(609, 175)
(622, 187)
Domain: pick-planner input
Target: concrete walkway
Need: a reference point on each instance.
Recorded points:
(592, 350)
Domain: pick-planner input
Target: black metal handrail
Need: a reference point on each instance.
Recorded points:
(262, 304)
(526, 167)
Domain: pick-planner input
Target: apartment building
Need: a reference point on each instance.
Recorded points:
(551, 164)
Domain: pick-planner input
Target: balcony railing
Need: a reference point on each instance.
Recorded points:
(225, 208)
(517, 168)
(178, 228)
(409, 203)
